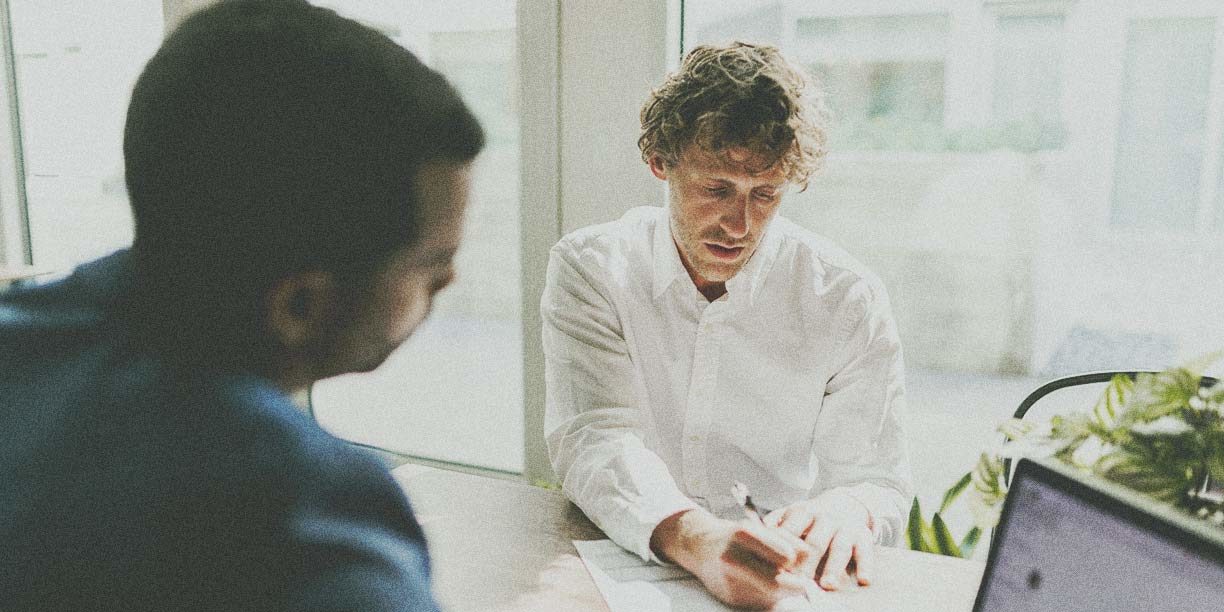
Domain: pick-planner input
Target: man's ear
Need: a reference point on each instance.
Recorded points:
(299, 307)
(657, 167)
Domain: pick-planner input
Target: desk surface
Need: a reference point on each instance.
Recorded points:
(517, 540)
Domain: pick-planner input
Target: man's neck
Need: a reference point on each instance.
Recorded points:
(711, 291)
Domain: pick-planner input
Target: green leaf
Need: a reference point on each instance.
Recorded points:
(1112, 400)
(1164, 482)
(969, 544)
(913, 530)
(1015, 429)
(920, 534)
(954, 492)
(944, 542)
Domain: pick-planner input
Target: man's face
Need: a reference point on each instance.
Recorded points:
(401, 294)
(719, 210)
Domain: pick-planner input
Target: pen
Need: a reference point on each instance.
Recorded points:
(740, 491)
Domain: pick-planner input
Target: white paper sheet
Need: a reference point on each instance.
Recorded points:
(629, 584)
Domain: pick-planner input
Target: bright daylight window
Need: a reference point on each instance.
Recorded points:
(454, 391)
(1038, 183)
(76, 62)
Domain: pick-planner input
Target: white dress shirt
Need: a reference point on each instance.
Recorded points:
(659, 400)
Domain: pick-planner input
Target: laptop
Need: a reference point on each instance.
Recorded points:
(1072, 542)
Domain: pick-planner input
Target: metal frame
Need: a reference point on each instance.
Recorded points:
(539, 43)
(14, 209)
(1085, 379)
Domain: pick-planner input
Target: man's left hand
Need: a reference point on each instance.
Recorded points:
(838, 527)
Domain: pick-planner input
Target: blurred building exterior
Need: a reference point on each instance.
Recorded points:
(1037, 181)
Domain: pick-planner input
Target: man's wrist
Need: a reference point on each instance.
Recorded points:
(676, 536)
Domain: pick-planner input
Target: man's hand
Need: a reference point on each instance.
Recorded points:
(838, 528)
(744, 564)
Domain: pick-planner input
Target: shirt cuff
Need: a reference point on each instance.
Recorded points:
(631, 523)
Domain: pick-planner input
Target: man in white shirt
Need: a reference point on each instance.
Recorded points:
(711, 342)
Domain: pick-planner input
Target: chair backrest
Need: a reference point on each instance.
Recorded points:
(1079, 392)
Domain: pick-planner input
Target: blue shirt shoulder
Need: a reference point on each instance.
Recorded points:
(134, 483)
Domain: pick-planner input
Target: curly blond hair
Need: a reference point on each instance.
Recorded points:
(739, 95)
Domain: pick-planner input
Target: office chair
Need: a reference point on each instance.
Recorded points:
(1075, 380)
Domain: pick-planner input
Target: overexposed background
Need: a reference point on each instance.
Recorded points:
(1038, 182)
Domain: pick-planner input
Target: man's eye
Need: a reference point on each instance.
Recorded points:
(765, 196)
(716, 191)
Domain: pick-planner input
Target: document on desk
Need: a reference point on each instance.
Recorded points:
(629, 584)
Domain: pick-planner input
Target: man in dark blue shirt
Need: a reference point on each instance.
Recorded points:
(298, 184)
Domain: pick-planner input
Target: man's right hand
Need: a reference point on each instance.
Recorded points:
(744, 564)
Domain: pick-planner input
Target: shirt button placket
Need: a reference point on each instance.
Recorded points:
(702, 388)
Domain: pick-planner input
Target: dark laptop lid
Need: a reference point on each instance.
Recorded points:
(1069, 541)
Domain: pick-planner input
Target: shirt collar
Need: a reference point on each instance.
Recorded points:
(742, 288)
(666, 260)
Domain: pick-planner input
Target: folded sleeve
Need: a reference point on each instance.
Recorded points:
(861, 444)
(592, 420)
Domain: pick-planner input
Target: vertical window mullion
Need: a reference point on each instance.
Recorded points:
(14, 214)
(1209, 190)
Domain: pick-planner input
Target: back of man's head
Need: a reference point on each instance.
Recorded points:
(267, 138)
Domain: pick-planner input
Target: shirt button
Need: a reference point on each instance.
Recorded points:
(694, 438)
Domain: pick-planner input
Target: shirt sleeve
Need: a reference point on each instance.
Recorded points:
(860, 439)
(592, 421)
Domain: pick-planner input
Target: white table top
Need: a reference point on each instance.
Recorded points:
(515, 542)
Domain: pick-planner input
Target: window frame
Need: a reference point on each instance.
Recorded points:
(1204, 234)
(14, 214)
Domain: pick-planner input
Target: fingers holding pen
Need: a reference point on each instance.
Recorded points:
(759, 563)
(779, 548)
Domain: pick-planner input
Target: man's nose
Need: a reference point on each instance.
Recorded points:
(735, 221)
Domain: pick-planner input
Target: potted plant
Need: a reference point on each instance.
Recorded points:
(1160, 434)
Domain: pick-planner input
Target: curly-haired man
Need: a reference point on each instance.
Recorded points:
(711, 342)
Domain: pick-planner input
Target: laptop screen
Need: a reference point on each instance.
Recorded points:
(1072, 548)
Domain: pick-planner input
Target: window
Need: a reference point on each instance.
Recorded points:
(1163, 125)
(884, 75)
(454, 391)
(1028, 77)
(76, 62)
